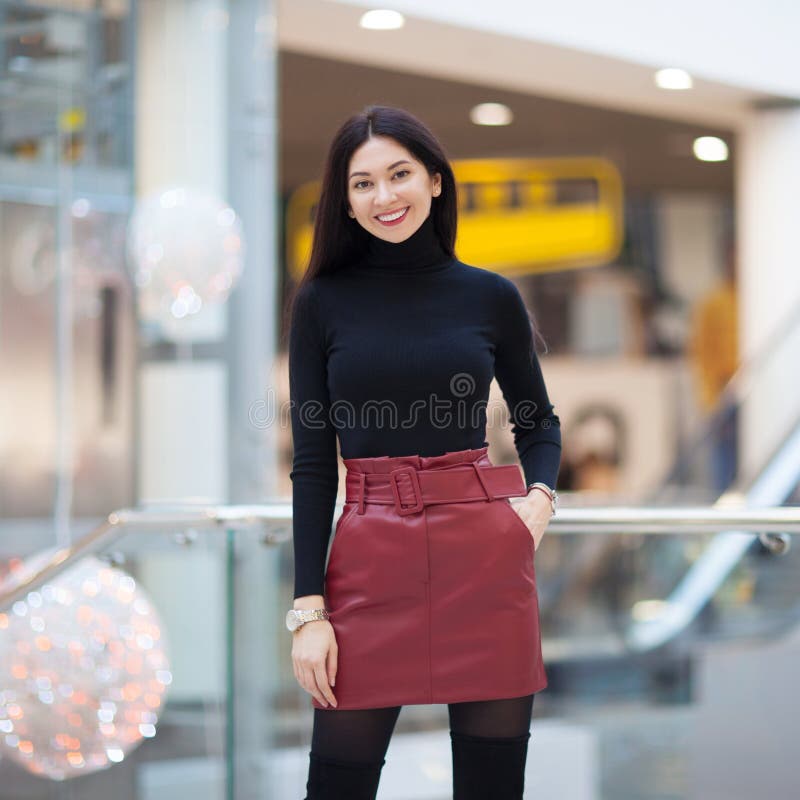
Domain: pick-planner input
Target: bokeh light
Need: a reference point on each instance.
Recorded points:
(84, 672)
(185, 250)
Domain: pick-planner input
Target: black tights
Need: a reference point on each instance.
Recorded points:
(489, 741)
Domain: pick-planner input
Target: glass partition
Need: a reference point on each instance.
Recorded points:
(207, 695)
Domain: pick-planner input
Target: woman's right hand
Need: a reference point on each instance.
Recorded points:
(315, 659)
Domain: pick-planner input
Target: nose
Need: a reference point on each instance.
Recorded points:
(385, 193)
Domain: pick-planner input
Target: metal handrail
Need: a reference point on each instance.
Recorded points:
(600, 520)
(182, 518)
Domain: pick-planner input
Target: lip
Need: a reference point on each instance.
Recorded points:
(394, 221)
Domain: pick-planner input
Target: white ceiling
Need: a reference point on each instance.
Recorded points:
(480, 57)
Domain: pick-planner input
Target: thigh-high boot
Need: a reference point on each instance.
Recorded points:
(488, 767)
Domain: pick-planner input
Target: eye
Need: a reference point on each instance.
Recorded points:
(357, 185)
(401, 171)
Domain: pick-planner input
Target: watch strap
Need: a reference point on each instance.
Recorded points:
(311, 614)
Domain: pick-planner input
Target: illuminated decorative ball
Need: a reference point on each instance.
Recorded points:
(83, 672)
(186, 250)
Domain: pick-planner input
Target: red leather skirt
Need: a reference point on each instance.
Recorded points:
(430, 584)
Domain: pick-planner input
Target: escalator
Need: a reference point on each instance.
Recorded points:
(649, 594)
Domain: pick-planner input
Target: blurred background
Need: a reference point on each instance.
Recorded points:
(632, 167)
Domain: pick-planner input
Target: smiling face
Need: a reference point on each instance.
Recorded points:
(388, 190)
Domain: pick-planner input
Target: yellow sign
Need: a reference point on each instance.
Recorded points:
(515, 216)
(71, 120)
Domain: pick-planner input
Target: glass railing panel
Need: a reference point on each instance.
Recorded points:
(118, 673)
(692, 718)
(616, 721)
(761, 595)
(594, 588)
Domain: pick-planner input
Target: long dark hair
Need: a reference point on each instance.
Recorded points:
(338, 238)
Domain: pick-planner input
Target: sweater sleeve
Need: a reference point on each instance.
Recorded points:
(315, 473)
(535, 426)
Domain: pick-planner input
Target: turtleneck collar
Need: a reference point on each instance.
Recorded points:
(420, 253)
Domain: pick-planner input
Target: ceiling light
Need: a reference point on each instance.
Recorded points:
(491, 114)
(710, 148)
(381, 19)
(673, 79)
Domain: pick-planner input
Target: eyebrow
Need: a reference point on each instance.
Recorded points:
(391, 166)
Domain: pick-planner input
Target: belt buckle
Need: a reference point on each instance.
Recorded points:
(412, 474)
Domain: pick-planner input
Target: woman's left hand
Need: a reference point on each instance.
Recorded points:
(535, 511)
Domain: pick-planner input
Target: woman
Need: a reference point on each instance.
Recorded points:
(429, 594)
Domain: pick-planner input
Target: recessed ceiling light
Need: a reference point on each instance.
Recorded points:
(381, 19)
(710, 148)
(491, 114)
(672, 78)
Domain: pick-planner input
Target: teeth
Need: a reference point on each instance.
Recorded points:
(390, 217)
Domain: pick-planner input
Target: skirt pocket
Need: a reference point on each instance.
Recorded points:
(519, 523)
(345, 518)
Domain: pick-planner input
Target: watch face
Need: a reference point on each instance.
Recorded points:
(292, 620)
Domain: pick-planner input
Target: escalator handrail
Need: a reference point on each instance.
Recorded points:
(732, 395)
(774, 484)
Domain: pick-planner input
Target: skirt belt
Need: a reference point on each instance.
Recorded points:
(410, 489)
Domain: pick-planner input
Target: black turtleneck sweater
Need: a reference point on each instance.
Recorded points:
(395, 355)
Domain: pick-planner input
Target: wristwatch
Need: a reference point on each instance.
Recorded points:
(551, 493)
(297, 617)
